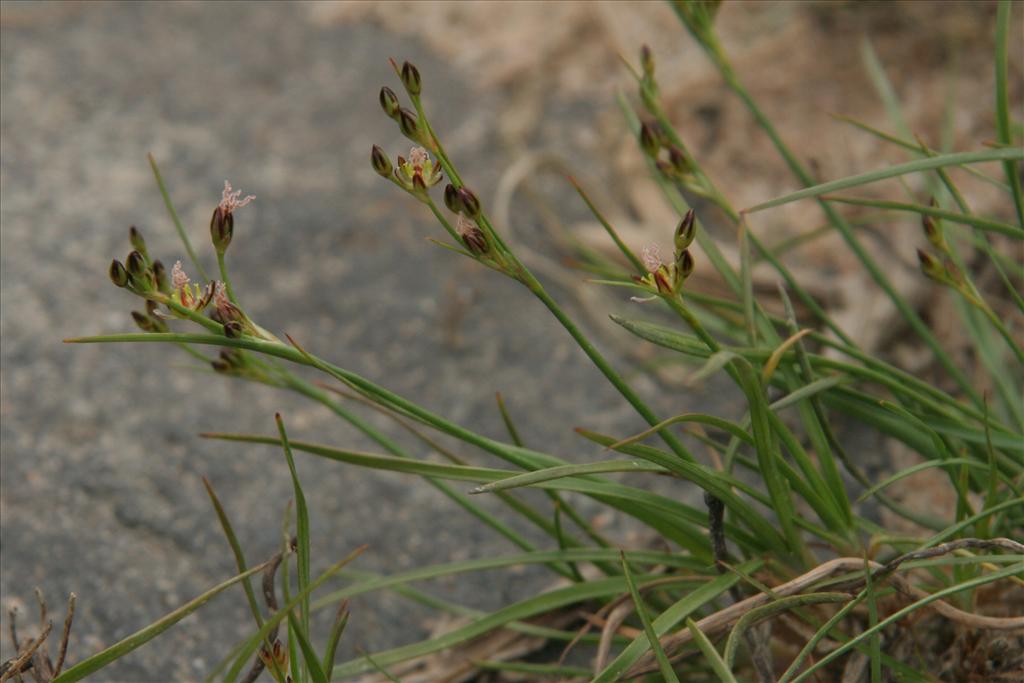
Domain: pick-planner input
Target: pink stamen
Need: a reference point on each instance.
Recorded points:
(231, 200)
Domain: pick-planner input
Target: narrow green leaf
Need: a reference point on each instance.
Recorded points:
(916, 166)
(174, 218)
(301, 523)
(711, 655)
(984, 224)
(291, 603)
(670, 618)
(563, 471)
(309, 657)
(667, 672)
(337, 629)
(759, 614)
(92, 664)
(1003, 24)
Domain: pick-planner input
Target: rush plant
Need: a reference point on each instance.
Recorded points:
(784, 574)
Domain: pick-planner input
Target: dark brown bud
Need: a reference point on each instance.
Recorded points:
(661, 280)
(407, 123)
(678, 160)
(649, 140)
(686, 231)
(118, 273)
(931, 267)
(932, 232)
(684, 264)
(953, 272)
(233, 329)
(647, 61)
(222, 228)
(389, 102)
(219, 366)
(411, 78)
(144, 322)
(470, 203)
(451, 198)
(160, 275)
(136, 266)
(381, 162)
(139, 244)
(475, 241)
(418, 184)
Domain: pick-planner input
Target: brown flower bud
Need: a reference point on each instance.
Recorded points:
(143, 321)
(649, 140)
(678, 160)
(686, 231)
(219, 366)
(931, 267)
(233, 329)
(475, 241)
(222, 228)
(647, 60)
(411, 78)
(407, 123)
(470, 203)
(685, 264)
(661, 280)
(139, 244)
(451, 199)
(160, 276)
(136, 265)
(418, 184)
(389, 102)
(118, 273)
(381, 162)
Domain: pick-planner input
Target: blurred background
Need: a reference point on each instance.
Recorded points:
(100, 468)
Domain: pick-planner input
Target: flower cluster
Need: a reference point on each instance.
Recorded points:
(667, 279)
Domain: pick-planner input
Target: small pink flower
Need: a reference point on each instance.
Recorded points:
(178, 278)
(231, 200)
(652, 258)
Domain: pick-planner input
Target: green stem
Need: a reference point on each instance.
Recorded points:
(174, 218)
(606, 369)
(224, 277)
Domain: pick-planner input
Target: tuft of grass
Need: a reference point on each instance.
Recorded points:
(786, 532)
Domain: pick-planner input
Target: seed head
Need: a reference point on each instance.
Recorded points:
(118, 273)
(389, 102)
(411, 78)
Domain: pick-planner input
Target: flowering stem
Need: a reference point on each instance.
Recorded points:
(174, 218)
(595, 356)
(224, 277)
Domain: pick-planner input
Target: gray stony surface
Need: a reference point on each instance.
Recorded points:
(101, 465)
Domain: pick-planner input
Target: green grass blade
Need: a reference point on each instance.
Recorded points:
(667, 673)
(755, 616)
(236, 549)
(553, 473)
(916, 166)
(309, 658)
(1005, 8)
(301, 524)
(711, 656)
(291, 603)
(670, 618)
(174, 218)
(540, 604)
(983, 224)
(337, 629)
(507, 419)
(99, 660)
